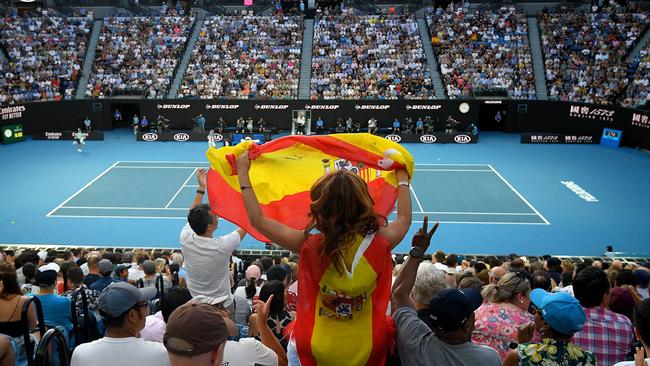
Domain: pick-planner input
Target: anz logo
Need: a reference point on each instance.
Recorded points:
(462, 139)
(428, 139)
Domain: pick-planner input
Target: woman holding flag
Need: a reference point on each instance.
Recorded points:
(345, 275)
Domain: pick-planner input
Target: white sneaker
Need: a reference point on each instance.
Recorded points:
(78, 150)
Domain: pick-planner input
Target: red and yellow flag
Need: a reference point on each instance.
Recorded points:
(283, 171)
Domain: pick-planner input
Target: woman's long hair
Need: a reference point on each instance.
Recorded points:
(9, 280)
(341, 208)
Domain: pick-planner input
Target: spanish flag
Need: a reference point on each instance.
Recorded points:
(283, 171)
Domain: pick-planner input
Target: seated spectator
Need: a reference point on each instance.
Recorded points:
(607, 334)
(504, 310)
(155, 324)
(642, 278)
(554, 268)
(452, 320)
(29, 271)
(642, 333)
(249, 351)
(196, 336)
(558, 316)
(136, 272)
(151, 276)
(621, 301)
(105, 270)
(244, 295)
(278, 318)
(368, 57)
(242, 57)
(11, 305)
(482, 51)
(496, 273)
(429, 281)
(56, 309)
(93, 269)
(543, 280)
(138, 55)
(123, 309)
(75, 279)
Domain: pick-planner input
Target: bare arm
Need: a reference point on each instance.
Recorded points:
(281, 234)
(512, 359)
(201, 175)
(266, 335)
(396, 230)
(401, 295)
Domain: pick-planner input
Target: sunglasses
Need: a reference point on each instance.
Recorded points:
(520, 278)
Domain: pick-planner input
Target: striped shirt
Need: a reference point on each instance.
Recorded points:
(605, 333)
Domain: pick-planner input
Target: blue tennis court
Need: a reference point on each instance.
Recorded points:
(494, 197)
(161, 190)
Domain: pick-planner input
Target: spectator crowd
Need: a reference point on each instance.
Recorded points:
(585, 52)
(481, 50)
(638, 91)
(244, 57)
(368, 57)
(138, 55)
(45, 56)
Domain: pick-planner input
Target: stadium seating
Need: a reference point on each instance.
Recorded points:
(368, 57)
(138, 55)
(245, 57)
(483, 50)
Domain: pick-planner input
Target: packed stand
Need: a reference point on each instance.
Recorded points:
(585, 51)
(481, 51)
(135, 55)
(243, 57)
(45, 56)
(638, 91)
(368, 57)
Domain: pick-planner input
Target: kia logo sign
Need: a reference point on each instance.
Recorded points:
(180, 137)
(150, 136)
(394, 138)
(218, 137)
(462, 139)
(428, 139)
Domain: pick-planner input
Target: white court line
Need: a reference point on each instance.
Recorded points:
(122, 217)
(182, 186)
(519, 194)
(126, 208)
(82, 188)
(416, 198)
(452, 170)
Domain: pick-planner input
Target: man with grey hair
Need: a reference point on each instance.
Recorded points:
(495, 275)
(429, 280)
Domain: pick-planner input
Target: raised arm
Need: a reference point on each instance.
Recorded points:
(396, 230)
(281, 234)
(401, 295)
(266, 335)
(201, 176)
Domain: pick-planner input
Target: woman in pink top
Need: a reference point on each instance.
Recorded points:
(504, 310)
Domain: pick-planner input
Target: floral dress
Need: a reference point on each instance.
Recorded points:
(551, 353)
(496, 326)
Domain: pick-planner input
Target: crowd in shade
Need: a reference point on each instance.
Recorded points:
(45, 56)
(638, 90)
(368, 57)
(585, 52)
(138, 55)
(482, 50)
(243, 57)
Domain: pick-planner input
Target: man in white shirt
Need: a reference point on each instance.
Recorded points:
(207, 259)
(123, 309)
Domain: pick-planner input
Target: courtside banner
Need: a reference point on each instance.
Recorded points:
(67, 135)
(556, 138)
(434, 138)
(284, 170)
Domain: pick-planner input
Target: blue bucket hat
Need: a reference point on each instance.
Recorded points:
(561, 311)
